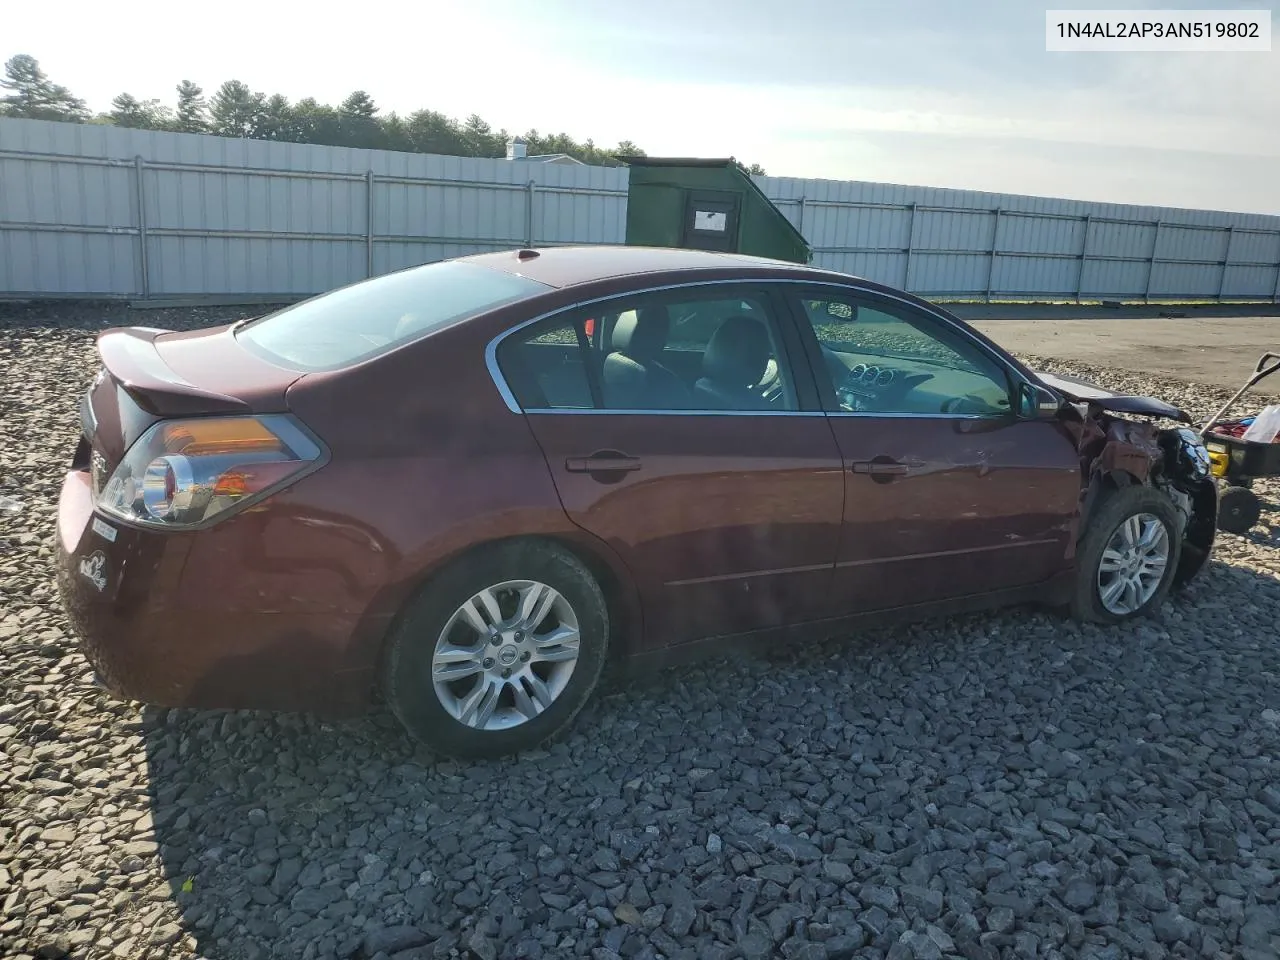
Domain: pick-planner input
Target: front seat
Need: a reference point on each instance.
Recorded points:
(634, 379)
(733, 365)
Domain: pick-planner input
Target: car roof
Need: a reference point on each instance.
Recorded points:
(569, 266)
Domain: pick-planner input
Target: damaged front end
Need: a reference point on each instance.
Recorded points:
(1117, 452)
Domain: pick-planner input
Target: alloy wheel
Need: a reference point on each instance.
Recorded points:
(1133, 564)
(505, 655)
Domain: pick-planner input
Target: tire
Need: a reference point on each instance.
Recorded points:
(1238, 510)
(501, 723)
(1111, 514)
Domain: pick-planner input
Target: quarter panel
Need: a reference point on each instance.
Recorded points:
(426, 462)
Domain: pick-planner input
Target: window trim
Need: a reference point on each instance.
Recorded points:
(876, 300)
(806, 396)
(789, 303)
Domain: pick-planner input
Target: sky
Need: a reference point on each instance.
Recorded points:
(946, 93)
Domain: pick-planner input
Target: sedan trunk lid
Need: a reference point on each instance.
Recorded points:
(200, 372)
(150, 374)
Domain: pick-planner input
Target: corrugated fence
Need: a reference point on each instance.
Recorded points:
(967, 244)
(89, 211)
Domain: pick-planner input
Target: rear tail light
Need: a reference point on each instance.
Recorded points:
(184, 473)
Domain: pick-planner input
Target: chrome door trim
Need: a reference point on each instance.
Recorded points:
(593, 411)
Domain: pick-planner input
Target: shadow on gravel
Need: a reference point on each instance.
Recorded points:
(1004, 784)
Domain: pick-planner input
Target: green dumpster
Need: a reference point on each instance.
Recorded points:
(706, 205)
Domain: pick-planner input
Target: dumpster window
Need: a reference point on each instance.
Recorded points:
(717, 221)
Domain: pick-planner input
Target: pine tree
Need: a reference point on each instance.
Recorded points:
(128, 111)
(235, 111)
(359, 121)
(34, 96)
(193, 114)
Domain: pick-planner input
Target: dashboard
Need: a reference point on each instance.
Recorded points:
(871, 376)
(884, 384)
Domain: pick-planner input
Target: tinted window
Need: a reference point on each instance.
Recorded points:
(669, 351)
(884, 358)
(674, 352)
(546, 368)
(354, 323)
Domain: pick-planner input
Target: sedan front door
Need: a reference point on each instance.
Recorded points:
(948, 494)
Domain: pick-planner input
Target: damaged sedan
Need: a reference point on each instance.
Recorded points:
(465, 487)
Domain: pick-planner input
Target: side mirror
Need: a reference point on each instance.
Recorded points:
(1037, 403)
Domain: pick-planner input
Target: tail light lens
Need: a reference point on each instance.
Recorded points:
(184, 473)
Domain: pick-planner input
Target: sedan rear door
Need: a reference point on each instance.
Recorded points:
(728, 515)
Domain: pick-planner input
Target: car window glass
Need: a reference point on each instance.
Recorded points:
(359, 321)
(886, 359)
(545, 367)
(677, 352)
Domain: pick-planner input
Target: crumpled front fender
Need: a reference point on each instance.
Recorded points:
(1115, 453)
(1112, 451)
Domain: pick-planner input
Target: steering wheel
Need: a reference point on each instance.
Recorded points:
(770, 385)
(969, 403)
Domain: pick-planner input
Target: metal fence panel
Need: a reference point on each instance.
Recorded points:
(1199, 280)
(975, 244)
(1027, 234)
(94, 210)
(1256, 247)
(1050, 276)
(58, 264)
(1116, 278)
(1254, 282)
(960, 274)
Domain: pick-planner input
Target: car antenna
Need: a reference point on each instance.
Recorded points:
(526, 254)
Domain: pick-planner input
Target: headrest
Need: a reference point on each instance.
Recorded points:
(738, 353)
(642, 334)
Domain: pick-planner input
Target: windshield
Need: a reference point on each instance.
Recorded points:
(354, 323)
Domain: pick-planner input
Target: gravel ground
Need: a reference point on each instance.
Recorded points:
(993, 786)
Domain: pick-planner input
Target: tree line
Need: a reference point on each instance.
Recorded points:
(234, 110)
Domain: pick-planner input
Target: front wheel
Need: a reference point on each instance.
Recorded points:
(499, 652)
(1127, 557)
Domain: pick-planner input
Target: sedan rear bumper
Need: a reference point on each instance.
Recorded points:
(123, 593)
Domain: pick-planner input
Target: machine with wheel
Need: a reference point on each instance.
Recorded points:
(1238, 462)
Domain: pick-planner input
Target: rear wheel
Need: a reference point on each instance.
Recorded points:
(499, 652)
(1128, 556)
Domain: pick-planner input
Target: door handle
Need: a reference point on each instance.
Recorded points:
(881, 468)
(604, 461)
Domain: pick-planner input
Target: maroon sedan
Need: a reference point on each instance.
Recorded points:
(467, 485)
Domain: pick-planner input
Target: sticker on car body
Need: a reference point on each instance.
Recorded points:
(104, 530)
(94, 569)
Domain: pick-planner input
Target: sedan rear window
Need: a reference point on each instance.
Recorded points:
(357, 322)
